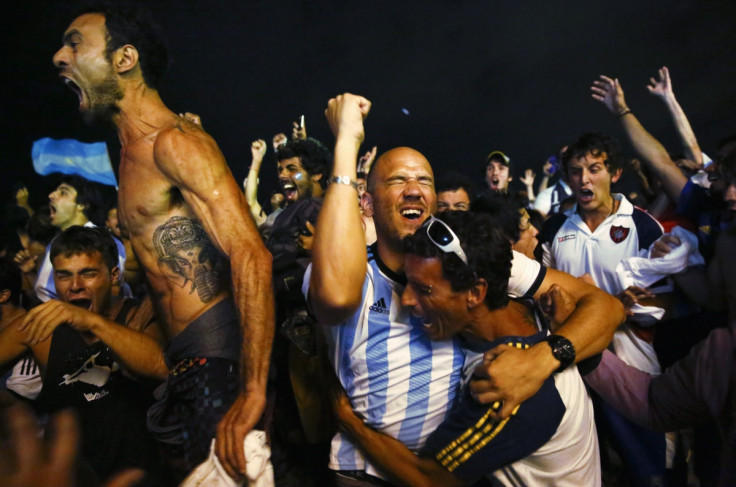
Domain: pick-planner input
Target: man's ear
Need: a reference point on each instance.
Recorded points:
(125, 58)
(477, 293)
(115, 274)
(616, 175)
(4, 295)
(366, 203)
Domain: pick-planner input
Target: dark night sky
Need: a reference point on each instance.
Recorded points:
(475, 76)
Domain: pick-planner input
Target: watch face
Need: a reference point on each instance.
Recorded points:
(562, 349)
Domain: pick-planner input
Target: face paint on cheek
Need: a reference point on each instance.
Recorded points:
(298, 176)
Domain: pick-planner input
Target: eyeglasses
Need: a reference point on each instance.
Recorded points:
(444, 238)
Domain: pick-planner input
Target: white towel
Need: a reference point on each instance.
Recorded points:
(643, 271)
(258, 468)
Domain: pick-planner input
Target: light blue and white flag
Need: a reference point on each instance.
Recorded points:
(69, 156)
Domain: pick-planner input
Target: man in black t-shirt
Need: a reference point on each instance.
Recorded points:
(77, 342)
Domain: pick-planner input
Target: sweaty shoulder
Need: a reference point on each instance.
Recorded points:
(184, 149)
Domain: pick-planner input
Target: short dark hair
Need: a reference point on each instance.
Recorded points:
(130, 25)
(89, 194)
(487, 248)
(452, 181)
(39, 227)
(597, 144)
(85, 240)
(10, 279)
(503, 209)
(314, 156)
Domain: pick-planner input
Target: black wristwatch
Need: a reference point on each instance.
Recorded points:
(562, 349)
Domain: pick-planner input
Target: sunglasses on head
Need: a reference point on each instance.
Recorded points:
(444, 238)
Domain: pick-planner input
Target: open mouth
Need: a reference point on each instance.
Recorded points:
(52, 210)
(290, 191)
(585, 195)
(82, 303)
(495, 183)
(75, 88)
(411, 213)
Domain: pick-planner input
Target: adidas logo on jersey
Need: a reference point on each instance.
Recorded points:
(379, 307)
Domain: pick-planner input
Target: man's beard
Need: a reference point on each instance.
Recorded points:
(103, 102)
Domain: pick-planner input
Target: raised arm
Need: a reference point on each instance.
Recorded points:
(609, 92)
(366, 160)
(528, 181)
(339, 255)
(662, 88)
(257, 150)
(192, 161)
(547, 170)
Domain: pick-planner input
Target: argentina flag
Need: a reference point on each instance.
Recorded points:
(69, 156)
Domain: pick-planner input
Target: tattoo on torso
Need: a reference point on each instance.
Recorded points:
(187, 257)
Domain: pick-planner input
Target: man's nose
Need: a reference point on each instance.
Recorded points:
(61, 59)
(412, 187)
(408, 299)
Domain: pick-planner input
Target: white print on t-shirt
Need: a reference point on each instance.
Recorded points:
(91, 373)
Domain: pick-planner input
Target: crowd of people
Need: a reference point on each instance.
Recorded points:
(380, 325)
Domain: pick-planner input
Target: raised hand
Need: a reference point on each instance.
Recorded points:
(528, 178)
(366, 160)
(548, 168)
(609, 92)
(661, 87)
(278, 140)
(21, 197)
(345, 114)
(258, 149)
(299, 131)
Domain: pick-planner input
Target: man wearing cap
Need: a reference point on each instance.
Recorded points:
(497, 174)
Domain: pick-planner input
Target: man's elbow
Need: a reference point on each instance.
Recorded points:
(333, 308)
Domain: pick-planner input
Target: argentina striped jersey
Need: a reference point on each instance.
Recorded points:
(399, 381)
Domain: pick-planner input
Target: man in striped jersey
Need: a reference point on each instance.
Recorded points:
(458, 288)
(399, 381)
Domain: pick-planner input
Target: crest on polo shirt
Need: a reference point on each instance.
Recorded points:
(619, 234)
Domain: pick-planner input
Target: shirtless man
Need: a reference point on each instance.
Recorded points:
(187, 219)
